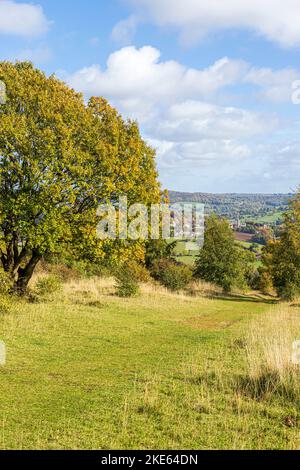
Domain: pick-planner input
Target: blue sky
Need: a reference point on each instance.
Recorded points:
(209, 82)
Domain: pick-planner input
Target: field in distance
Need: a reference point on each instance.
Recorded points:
(259, 208)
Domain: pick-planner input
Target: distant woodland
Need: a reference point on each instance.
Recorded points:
(237, 206)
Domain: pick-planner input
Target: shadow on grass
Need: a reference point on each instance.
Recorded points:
(209, 379)
(245, 298)
(267, 384)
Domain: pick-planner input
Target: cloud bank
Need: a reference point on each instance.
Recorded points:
(274, 20)
(22, 19)
(184, 113)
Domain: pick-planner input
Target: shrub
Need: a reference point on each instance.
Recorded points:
(127, 286)
(261, 281)
(158, 249)
(289, 292)
(138, 272)
(6, 283)
(85, 268)
(5, 304)
(64, 273)
(172, 275)
(265, 284)
(59, 269)
(68, 268)
(253, 280)
(47, 287)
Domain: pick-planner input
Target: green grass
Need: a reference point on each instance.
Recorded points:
(271, 218)
(184, 255)
(249, 244)
(91, 371)
(266, 219)
(187, 259)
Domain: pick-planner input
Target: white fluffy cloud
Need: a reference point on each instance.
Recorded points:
(138, 79)
(183, 115)
(196, 120)
(273, 19)
(23, 19)
(276, 85)
(201, 153)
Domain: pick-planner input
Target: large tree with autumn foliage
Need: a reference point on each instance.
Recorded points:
(60, 158)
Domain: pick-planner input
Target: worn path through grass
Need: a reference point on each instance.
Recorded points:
(158, 371)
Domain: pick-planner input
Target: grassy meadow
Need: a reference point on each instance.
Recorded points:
(88, 370)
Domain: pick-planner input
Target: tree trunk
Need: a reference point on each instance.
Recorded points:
(25, 274)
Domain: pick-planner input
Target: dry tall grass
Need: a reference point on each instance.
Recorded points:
(270, 351)
(103, 286)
